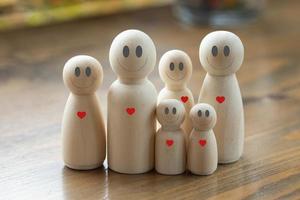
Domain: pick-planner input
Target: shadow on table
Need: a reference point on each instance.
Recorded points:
(103, 183)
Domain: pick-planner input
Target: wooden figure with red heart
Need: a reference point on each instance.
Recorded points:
(175, 69)
(83, 130)
(202, 150)
(131, 122)
(170, 142)
(221, 55)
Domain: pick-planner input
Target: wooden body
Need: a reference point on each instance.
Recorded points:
(202, 152)
(131, 126)
(175, 70)
(84, 145)
(229, 129)
(83, 130)
(131, 123)
(180, 95)
(221, 54)
(170, 140)
(170, 151)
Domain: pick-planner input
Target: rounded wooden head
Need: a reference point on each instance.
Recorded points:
(221, 53)
(203, 116)
(82, 74)
(132, 54)
(175, 68)
(170, 112)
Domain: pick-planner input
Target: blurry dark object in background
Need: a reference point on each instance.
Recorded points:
(222, 13)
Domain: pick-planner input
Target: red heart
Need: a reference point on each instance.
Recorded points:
(169, 142)
(202, 142)
(81, 115)
(220, 99)
(130, 111)
(184, 99)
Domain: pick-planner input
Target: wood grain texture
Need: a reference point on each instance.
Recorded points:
(33, 97)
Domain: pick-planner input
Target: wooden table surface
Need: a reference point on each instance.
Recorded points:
(33, 97)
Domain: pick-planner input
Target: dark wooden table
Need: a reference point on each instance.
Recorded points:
(32, 98)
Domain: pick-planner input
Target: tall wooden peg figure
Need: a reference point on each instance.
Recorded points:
(170, 147)
(131, 104)
(202, 152)
(221, 55)
(175, 69)
(83, 131)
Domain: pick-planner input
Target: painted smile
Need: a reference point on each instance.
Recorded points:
(174, 79)
(218, 68)
(172, 120)
(81, 87)
(205, 123)
(135, 70)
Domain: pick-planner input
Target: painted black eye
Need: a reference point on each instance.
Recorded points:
(172, 66)
(126, 51)
(77, 71)
(166, 111)
(207, 113)
(88, 71)
(139, 51)
(199, 113)
(214, 51)
(226, 50)
(174, 111)
(181, 66)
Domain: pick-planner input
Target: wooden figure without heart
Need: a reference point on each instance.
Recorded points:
(202, 150)
(170, 142)
(131, 122)
(175, 69)
(221, 55)
(83, 131)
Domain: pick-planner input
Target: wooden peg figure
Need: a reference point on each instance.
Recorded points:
(131, 104)
(221, 55)
(170, 147)
(83, 131)
(202, 151)
(175, 69)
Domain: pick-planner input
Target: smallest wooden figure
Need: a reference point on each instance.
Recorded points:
(202, 151)
(170, 143)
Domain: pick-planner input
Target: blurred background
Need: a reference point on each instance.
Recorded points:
(18, 13)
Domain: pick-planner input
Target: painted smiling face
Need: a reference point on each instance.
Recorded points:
(132, 54)
(175, 68)
(203, 116)
(82, 74)
(221, 53)
(170, 113)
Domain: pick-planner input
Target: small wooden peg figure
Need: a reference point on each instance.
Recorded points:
(202, 151)
(175, 69)
(83, 131)
(170, 147)
(131, 122)
(221, 55)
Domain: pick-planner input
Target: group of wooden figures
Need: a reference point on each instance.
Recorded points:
(185, 139)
